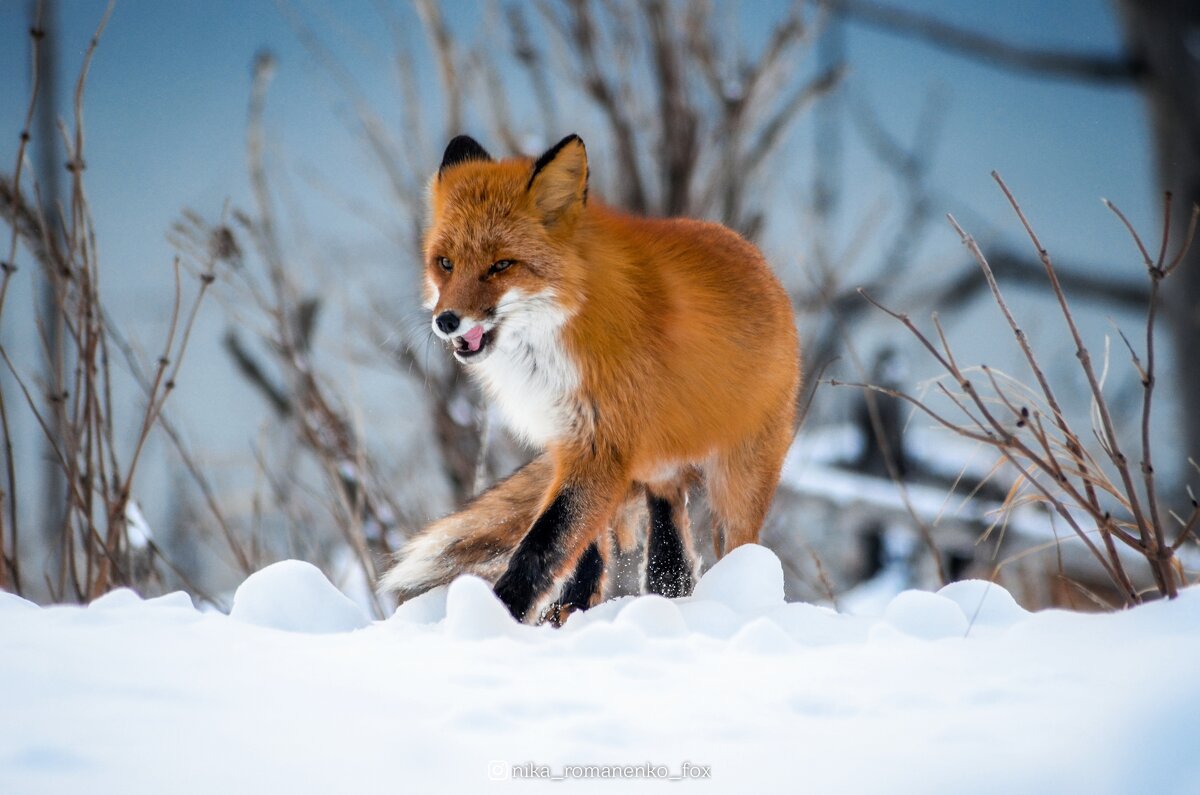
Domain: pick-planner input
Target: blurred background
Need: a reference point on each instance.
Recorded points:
(214, 355)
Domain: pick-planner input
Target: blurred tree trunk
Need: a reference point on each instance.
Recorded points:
(54, 491)
(1165, 35)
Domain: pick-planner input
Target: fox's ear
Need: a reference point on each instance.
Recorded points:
(460, 149)
(559, 180)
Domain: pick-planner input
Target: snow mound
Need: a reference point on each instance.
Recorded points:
(709, 618)
(926, 615)
(762, 636)
(984, 603)
(176, 600)
(814, 625)
(605, 639)
(473, 611)
(10, 601)
(116, 599)
(426, 608)
(655, 616)
(295, 596)
(748, 579)
(605, 611)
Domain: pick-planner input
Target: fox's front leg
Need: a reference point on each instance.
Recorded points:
(581, 502)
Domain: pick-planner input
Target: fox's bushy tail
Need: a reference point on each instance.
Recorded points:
(479, 539)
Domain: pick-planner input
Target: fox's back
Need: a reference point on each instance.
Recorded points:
(690, 333)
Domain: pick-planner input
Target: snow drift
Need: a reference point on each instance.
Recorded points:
(954, 691)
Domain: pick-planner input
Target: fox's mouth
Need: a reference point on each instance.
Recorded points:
(465, 351)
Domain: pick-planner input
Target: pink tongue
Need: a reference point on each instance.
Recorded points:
(474, 337)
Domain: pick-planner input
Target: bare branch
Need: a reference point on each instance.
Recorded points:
(443, 48)
(1082, 66)
(1011, 267)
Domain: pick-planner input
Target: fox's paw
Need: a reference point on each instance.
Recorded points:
(517, 594)
(583, 589)
(557, 614)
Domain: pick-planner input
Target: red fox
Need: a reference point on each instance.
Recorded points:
(639, 355)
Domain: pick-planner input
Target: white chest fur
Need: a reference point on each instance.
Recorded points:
(529, 375)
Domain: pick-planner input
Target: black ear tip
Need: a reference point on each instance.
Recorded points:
(460, 149)
(463, 142)
(552, 153)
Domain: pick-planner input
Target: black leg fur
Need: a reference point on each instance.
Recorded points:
(579, 592)
(530, 572)
(668, 565)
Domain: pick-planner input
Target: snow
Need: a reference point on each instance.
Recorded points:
(748, 578)
(295, 691)
(984, 603)
(295, 596)
(136, 526)
(10, 601)
(654, 616)
(925, 615)
(474, 613)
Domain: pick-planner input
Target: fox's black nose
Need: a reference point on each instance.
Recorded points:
(447, 322)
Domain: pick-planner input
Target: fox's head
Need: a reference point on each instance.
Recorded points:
(497, 251)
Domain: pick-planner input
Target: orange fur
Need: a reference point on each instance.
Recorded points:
(682, 344)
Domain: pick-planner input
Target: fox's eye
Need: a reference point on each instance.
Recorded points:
(502, 265)
(445, 264)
